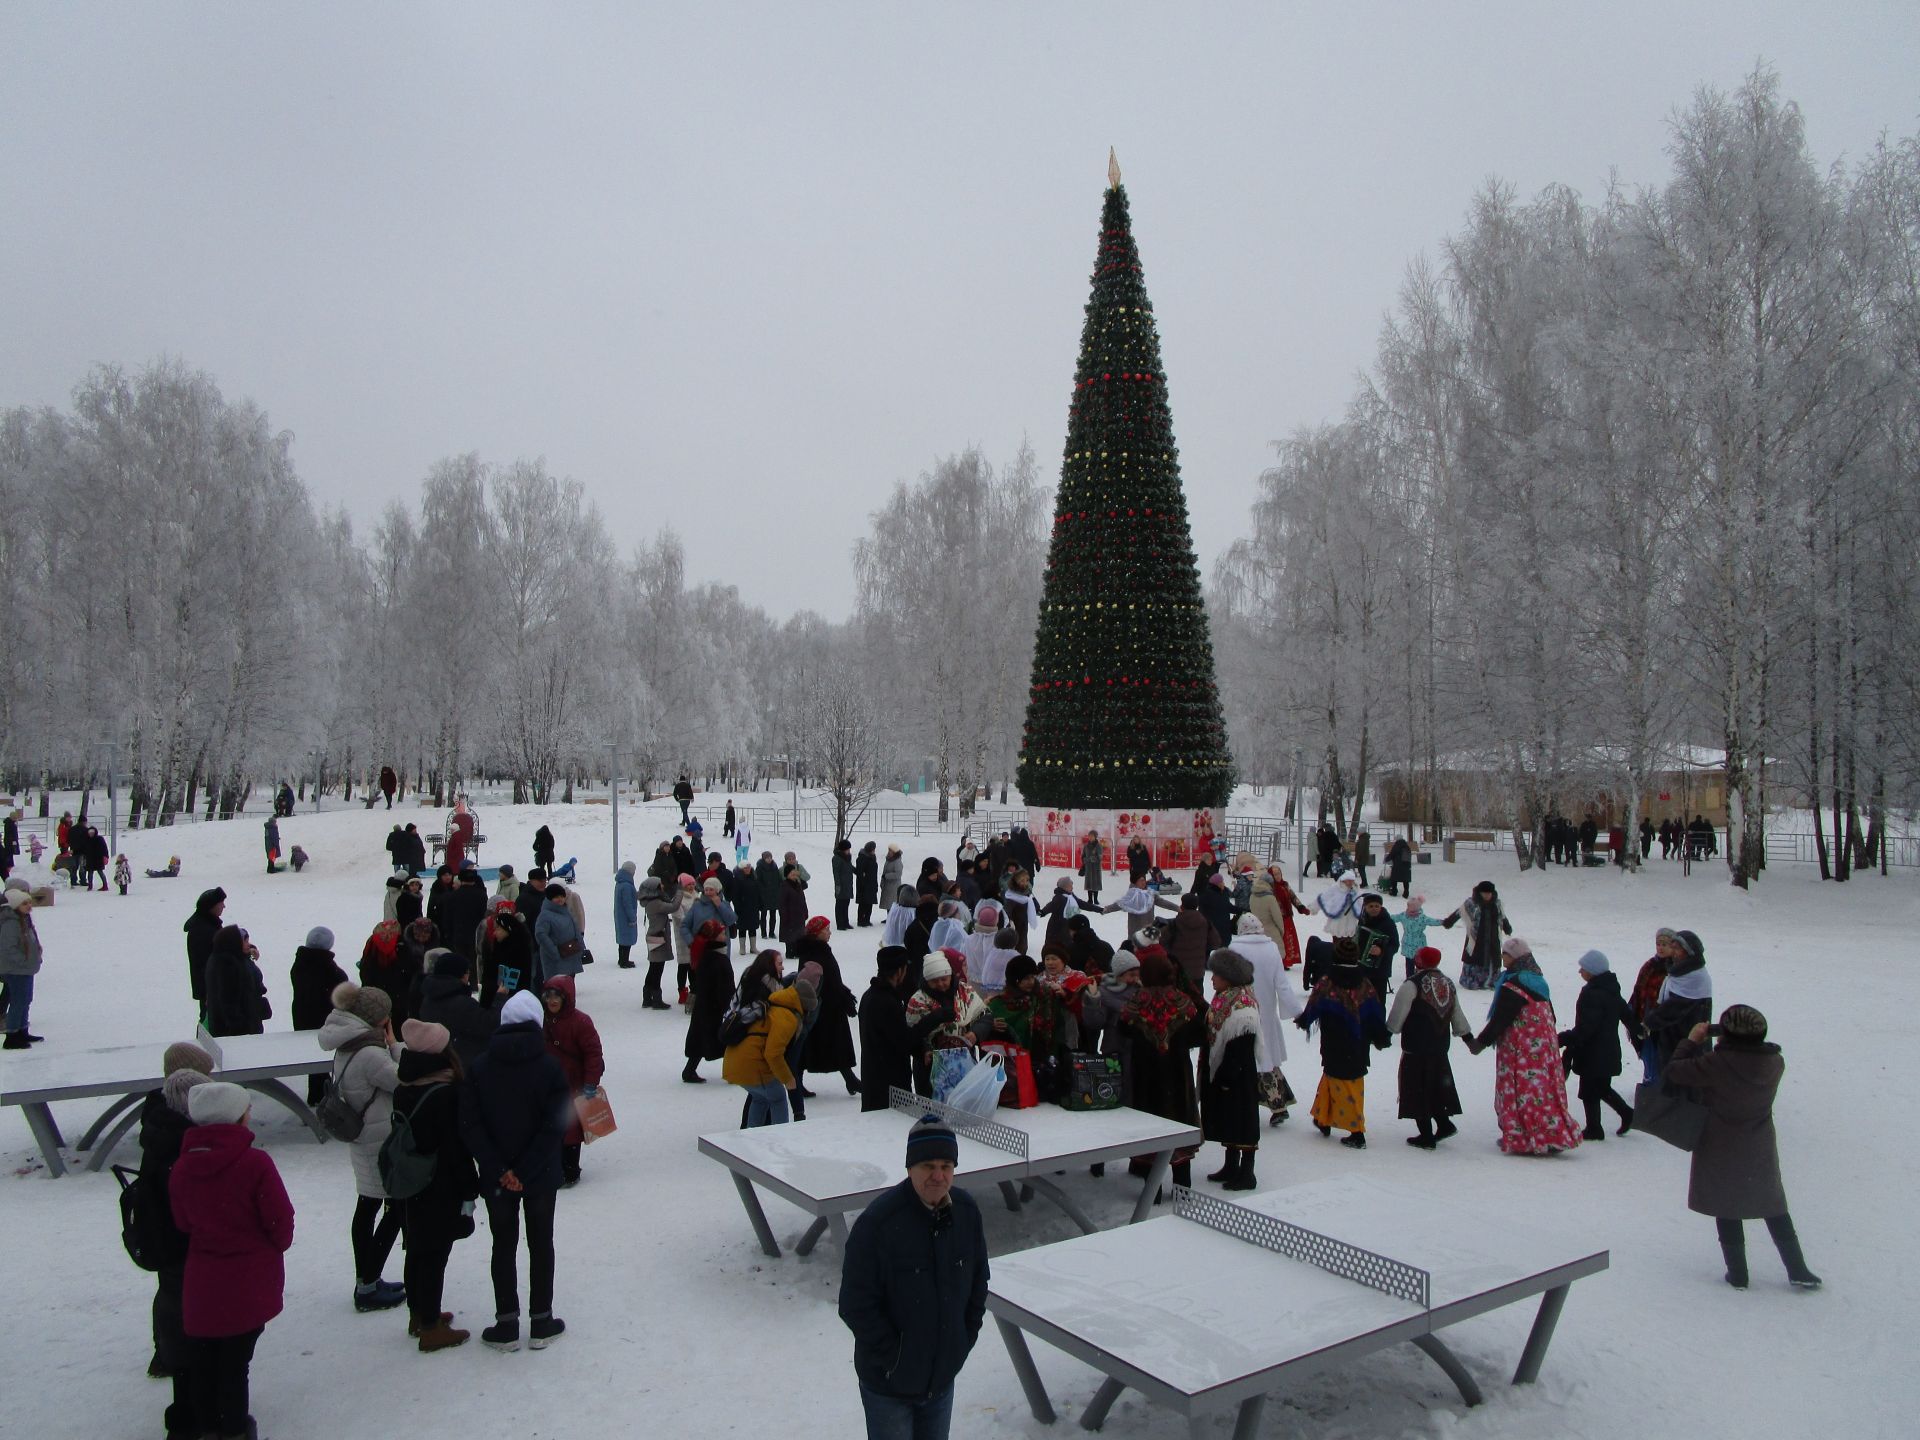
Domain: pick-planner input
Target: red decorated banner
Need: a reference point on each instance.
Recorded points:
(1175, 839)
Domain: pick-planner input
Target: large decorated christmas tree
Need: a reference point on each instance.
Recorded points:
(1124, 711)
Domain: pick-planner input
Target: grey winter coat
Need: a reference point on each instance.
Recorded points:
(890, 870)
(365, 1079)
(19, 943)
(1736, 1165)
(553, 929)
(659, 920)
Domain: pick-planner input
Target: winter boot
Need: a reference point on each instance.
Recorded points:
(1445, 1129)
(1243, 1175)
(503, 1334)
(688, 1074)
(797, 1103)
(1787, 1242)
(1325, 1130)
(1424, 1140)
(1356, 1141)
(545, 1330)
(416, 1329)
(442, 1337)
(16, 1040)
(1183, 1174)
(1226, 1174)
(378, 1295)
(1733, 1249)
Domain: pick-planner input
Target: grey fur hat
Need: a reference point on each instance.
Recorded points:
(1232, 966)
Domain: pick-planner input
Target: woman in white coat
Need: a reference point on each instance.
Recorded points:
(1278, 1001)
(366, 1070)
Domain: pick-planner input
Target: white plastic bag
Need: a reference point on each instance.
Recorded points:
(978, 1093)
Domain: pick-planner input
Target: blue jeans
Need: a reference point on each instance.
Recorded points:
(891, 1418)
(766, 1104)
(19, 997)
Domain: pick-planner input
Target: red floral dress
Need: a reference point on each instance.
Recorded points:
(1529, 1086)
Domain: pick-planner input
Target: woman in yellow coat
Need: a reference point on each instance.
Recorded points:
(758, 1062)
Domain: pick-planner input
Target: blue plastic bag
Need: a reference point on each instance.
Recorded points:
(950, 1067)
(978, 1093)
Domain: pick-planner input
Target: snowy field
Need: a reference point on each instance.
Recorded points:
(676, 1321)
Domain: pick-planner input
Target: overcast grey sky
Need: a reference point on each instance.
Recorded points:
(738, 268)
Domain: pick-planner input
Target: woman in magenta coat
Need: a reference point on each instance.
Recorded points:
(229, 1202)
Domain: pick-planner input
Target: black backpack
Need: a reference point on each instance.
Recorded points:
(338, 1118)
(405, 1169)
(739, 1021)
(146, 1222)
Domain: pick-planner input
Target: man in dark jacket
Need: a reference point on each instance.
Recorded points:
(462, 912)
(866, 881)
(201, 927)
(886, 1046)
(683, 792)
(446, 998)
(514, 1111)
(842, 883)
(913, 1290)
(1592, 1047)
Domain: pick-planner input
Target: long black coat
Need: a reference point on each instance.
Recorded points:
(866, 877)
(842, 875)
(886, 1044)
(515, 1109)
(1593, 1044)
(200, 929)
(314, 974)
(830, 1043)
(1162, 1080)
(236, 995)
(793, 914)
(712, 993)
(1230, 1095)
(766, 875)
(913, 1290)
(461, 914)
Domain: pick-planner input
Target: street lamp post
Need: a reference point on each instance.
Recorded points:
(613, 782)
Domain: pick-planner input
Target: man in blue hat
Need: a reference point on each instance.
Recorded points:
(913, 1290)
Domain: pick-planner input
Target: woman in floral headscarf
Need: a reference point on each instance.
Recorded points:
(1161, 1025)
(1529, 1085)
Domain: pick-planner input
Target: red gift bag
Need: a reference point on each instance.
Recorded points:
(1020, 1091)
(596, 1116)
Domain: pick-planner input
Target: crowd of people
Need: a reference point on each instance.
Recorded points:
(462, 1057)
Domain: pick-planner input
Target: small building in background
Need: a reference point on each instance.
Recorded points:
(1466, 790)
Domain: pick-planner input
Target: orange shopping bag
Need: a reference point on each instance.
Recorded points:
(596, 1116)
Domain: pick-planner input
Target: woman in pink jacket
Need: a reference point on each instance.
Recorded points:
(229, 1202)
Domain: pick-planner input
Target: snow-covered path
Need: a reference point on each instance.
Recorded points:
(677, 1323)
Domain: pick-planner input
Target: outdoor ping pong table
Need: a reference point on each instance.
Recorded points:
(1219, 1304)
(35, 1080)
(830, 1167)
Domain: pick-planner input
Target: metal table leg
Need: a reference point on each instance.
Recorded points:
(751, 1199)
(103, 1151)
(1436, 1350)
(1023, 1367)
(1095, 1414)
(1156, 1177)
(1010, 1195)
(837, 1224)
(46, 1134)
(812, 1237)
(1541, 1336)
(106, 1117)
(277, 1090)
(1060, 1197)
(1248, 1424)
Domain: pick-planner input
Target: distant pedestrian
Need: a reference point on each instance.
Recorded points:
(1592, 1046)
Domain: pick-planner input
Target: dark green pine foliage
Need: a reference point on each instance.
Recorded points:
(1124, 711)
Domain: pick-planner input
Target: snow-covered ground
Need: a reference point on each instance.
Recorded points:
(678, 1323)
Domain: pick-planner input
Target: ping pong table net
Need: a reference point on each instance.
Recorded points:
(1336, 1257)
(988, 1132)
